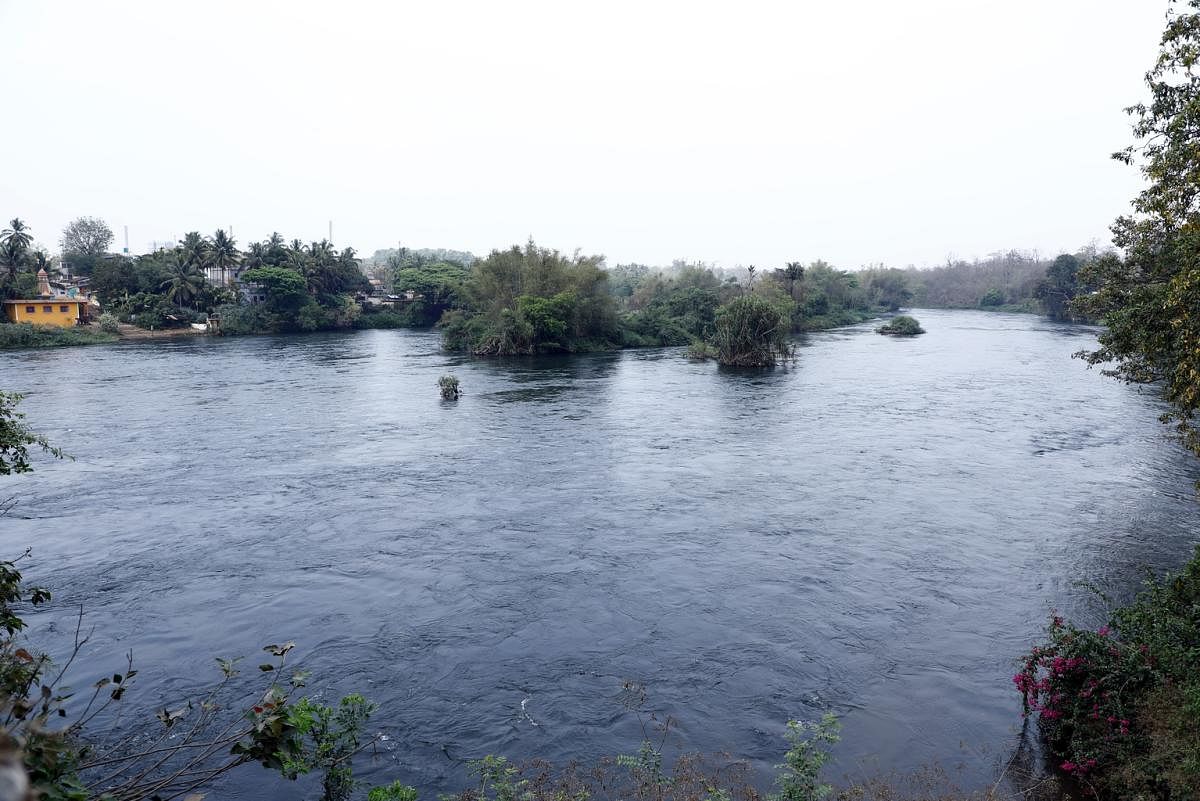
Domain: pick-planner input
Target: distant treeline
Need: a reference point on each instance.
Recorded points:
(1013, 281)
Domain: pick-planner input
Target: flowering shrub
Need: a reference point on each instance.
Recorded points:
(1113, 704)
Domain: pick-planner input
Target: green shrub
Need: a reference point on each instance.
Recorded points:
(653, 328)
(1119, 707)
(238, 319)
(396, 791)
(108, 323)
(751, 332)
(449, 387)
(993, 297)
(800, 773)
(901, 326)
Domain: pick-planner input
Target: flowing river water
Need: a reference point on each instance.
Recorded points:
(878, 530)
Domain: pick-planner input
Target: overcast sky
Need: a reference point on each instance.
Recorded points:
(735, 132)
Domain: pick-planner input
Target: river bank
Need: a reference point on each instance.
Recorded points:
(20, 336)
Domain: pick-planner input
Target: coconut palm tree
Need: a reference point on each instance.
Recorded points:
(256, 255)
(14, 247)
(224, 256)
(18, 232)
(195, 249)
(12, 258)
(184, 280)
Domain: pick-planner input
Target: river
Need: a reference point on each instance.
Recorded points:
(879, 530)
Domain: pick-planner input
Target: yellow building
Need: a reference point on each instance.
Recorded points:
(47, 309)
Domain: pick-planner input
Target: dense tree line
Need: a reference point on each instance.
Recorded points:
(1148, 294)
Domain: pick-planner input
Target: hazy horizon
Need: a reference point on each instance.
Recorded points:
(776, 132)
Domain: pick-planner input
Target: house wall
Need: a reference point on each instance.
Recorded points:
(19, 311)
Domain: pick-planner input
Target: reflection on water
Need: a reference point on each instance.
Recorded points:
(878, 529)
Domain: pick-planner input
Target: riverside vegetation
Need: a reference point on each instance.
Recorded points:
(521, 301)
(1119, 707)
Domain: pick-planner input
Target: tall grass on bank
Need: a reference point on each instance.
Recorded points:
(27, 335)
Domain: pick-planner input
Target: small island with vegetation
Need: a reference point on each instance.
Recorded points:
(901, 326)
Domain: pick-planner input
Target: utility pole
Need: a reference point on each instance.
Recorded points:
(331, 232)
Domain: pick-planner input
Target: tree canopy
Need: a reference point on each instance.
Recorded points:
(86, 236)
(1150, 299)
(16, 439)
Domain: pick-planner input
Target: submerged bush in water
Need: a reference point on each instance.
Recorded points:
(449, 386)
(901, 326)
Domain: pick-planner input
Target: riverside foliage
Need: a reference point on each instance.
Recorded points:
(1149, 295)
(531, 300)
(1119, 706)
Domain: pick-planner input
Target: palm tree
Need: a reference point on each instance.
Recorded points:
(14, 247)
(224, 255)
(321, 272)
(12, 257)
(184, 280)
(256, 255)
(195, 249)
(276, 250)
(17, 231)
(794, 272)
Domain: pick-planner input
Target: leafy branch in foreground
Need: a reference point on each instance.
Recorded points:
(799, 778)
(16, 439)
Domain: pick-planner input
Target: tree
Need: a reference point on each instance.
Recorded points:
(1059, 287)
(889, 288)
(501, 295)
(14, 247)
(86, 236)
(286, 289)
(793, 272)
(223, 253)
(196, 249)
(184, 281)
(15, 438)
(17, 232)
(439, 286)
(1150, 299)
(12, 257)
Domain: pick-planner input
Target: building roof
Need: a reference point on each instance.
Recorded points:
(50, 300)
